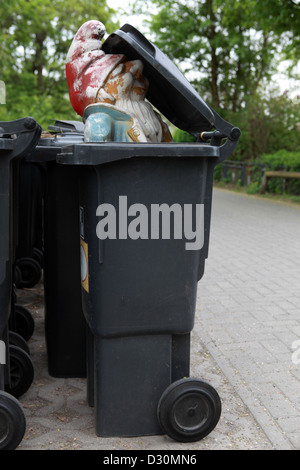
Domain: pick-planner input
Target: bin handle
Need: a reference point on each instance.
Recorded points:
(216, 138)
(224, 130)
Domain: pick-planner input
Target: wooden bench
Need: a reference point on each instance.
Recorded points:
(277, 174)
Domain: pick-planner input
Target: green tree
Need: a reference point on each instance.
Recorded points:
(230, 44)
(229, 50)
(268, 123)
(35, 37)
(283, 17)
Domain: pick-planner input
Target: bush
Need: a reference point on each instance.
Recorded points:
(282, 160)
(253, 188)
(267, 123)
(182, 136)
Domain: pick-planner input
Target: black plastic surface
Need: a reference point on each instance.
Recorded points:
(143, 286)
(169, 91)
(107, 152)
(64, 321)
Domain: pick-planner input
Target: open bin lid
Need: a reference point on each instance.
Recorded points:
(169, 91)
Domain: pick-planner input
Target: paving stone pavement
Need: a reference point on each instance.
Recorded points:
(245, 342)
(248, 314)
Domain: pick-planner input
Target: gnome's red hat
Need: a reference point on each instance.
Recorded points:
(87, 66)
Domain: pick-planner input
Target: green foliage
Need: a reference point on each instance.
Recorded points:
(253, 172)
(229, 45)
(230, 49)
(34, 40)
(282, 159)
(253, 187)
(182, 136)
(268, 123)
(226, 47)
(283, 17)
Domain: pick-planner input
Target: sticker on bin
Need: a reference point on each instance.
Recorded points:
(2, 353)
(84, 262)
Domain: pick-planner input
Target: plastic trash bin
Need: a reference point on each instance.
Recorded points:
(28, 236)
(29, 249)
(141, 262)
(65, 328)
(139, 295)
(17, 138)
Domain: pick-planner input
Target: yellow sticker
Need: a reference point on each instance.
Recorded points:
(84, 262)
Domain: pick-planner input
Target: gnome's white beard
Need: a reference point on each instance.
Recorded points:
(148, 120)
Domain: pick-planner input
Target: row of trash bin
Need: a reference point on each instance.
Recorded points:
(118, 311)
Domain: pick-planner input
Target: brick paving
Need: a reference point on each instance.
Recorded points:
(248, 313)
(247, 322)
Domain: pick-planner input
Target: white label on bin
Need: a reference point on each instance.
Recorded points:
(161, 221)
(84, 263)
(2, 353)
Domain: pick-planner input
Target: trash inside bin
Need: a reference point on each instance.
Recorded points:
(145, 213)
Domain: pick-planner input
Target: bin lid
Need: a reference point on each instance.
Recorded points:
(67, 126)
(169, 91)
(19, 137)
(64, 133)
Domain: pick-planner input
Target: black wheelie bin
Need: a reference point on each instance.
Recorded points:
(28, 236)
(29, 249)
(65, 328)
(17, 138)
(141, 262)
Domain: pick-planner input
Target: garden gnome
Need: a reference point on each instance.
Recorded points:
(109, 92)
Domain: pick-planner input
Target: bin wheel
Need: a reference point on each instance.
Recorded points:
(189, 409)
(12, 422)
(14, 295)
(24, 321)
(17, 276)
(17, 340)
(21, 371)
(31, 272)
(38, 255)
